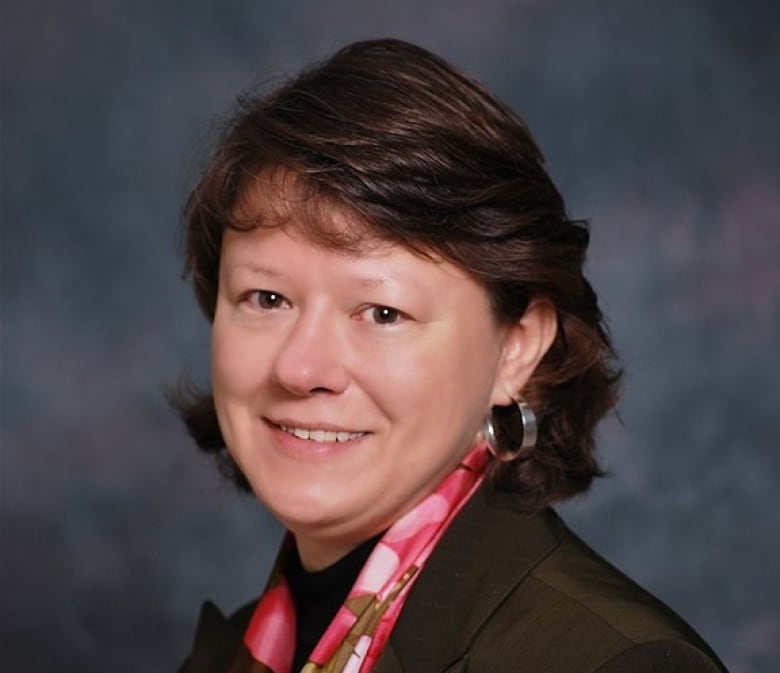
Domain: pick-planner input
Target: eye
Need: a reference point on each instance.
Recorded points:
(266, 299)
(384, 315)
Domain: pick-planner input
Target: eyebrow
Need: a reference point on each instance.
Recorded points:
(373, 282)
(364, 281)
(257, 268)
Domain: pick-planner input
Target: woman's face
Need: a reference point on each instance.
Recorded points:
(347, 386)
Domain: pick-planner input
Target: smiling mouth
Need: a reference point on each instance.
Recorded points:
(321, 435)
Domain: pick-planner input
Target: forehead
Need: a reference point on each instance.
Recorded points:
(282, 198)
(284, 260)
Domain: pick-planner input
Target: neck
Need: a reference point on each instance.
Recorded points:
(319, 554)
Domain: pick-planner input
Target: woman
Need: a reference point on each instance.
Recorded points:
(407, 368)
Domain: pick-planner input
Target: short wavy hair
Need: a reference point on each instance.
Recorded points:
(424, 157)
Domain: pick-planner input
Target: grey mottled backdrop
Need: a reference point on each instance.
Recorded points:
(660, 123)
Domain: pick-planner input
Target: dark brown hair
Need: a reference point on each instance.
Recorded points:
(425, 157)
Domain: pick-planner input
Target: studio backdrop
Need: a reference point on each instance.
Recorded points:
(659, 122)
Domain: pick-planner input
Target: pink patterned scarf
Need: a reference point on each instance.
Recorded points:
(354, 639)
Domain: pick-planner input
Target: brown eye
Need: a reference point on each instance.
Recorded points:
(384, 315)
(266, 299)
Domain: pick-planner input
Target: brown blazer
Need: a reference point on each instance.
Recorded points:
(504, 591)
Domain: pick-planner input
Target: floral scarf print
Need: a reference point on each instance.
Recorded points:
(354, 639)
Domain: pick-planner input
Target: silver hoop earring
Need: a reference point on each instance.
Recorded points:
(530, 432)
(489, 434)
(530, 427)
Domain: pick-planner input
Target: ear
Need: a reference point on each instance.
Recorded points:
(525, 344)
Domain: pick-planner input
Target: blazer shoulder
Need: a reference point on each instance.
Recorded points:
(669, 656)
(574, 611)
(579, 576)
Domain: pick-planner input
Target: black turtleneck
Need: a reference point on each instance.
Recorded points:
(319, 595)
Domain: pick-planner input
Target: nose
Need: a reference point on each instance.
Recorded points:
(312, 358)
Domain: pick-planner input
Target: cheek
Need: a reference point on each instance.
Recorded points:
(234, 370)
(467, 373)
(451, 375)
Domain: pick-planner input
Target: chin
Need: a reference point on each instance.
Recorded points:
(306, 510)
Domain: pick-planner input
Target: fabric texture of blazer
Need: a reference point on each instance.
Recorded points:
(505, 591)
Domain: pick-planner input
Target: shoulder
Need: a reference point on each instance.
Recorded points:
(574, 611)
(509, 591)
(669, 656)
(584, 586)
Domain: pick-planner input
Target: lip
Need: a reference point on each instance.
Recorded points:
(325, 439)
(321, 435)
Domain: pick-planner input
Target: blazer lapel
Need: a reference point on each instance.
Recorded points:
(487, 551)
(388, 661)
(216, 642)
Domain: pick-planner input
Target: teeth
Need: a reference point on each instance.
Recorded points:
(322, 435)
